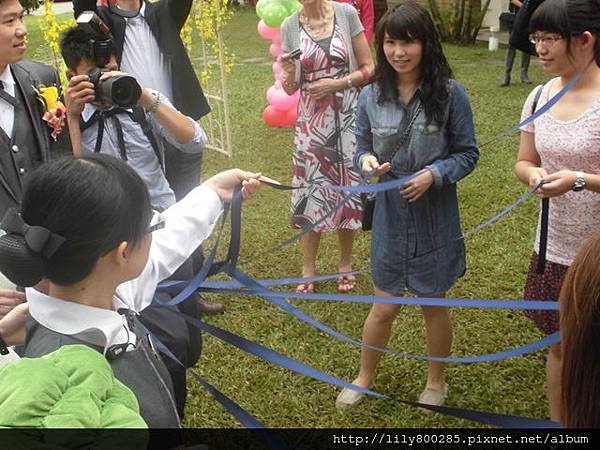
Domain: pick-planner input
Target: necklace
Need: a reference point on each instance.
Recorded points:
(318, 26)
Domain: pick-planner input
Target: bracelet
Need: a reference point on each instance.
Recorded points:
(366, 76)
(155, 103)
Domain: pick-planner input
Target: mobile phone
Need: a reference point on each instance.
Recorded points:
(294, 54)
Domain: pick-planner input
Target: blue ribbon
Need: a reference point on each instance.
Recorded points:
(272, 441)
(496, 419)
(277, 299)
(489, 418)
(540, 111)
(275, 357)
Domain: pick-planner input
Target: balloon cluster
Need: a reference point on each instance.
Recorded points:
(282, 109)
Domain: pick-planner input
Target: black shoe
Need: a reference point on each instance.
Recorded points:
(505, 81)
(206, 307)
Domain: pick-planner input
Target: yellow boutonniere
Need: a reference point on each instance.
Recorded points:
(48, 96)
(54, 110)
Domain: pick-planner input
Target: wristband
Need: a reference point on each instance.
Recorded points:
(366, 76)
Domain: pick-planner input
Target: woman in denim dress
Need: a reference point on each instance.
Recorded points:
(413, 84)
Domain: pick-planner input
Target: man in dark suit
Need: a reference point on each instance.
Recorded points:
(25, 140)
(149, 46)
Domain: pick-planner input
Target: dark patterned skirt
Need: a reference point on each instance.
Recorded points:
(544, 287)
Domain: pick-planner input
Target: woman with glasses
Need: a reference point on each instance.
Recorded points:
(561, 148)
(87, 228)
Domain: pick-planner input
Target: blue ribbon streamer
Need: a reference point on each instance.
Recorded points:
(279, 301)
(489, 418)
(198, 281)
(540, 111)
(272, 441)
(496, 419)
(544, 305)
(275, 357)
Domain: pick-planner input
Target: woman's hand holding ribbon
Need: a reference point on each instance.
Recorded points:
(558, 183)
(372, 168)
(536, 175)
(416, 187)
(224, 183)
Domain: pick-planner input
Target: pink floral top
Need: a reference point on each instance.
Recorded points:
(571, 145)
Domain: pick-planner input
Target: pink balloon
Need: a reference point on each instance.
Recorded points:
(274, 117)
(280, 100)
(275, 50)
(278, 84)
(277, 37)
(291, 117)
(266, 31)
(277, 69)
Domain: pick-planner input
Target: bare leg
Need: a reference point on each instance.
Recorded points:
(553, 375)
(376, 332)
(310, 247)
(438, 326)
(346, 238)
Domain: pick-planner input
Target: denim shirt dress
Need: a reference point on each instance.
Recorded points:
(406, 236)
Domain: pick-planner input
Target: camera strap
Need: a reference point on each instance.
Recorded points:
(137, 115)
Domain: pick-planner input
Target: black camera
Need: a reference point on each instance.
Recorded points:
(121, 90)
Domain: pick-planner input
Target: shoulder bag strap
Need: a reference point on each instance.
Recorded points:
(407, 131)
(545, 207)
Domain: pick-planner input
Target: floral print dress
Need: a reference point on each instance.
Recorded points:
(324, 140)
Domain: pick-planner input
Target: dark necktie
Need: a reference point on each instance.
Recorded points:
(7, 97)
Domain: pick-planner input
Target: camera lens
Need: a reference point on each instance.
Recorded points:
(122, 90)
(126, 91)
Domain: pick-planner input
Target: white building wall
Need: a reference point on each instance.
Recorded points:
(493, 12)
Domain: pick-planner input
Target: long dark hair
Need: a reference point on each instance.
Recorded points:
(580, 331)
(569, 18)
(94, 203)
(409, 21)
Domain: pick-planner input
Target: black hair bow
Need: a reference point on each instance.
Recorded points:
(39, 239)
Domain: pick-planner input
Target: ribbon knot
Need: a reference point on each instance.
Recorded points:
(39, 239)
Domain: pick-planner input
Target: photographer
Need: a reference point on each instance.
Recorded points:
(97, 125)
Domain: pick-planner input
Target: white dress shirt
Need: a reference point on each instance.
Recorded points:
(142, 57)
(7, 111)
(188, 223)
(140, 154)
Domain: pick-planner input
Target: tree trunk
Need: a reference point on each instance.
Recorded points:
(460, 19)
(438, 20)
(476, 29)
(379, 9)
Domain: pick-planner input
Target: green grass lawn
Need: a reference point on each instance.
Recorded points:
(497, 264)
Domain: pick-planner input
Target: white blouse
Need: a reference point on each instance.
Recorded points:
(188, 223)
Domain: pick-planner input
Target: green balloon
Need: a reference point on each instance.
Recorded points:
(260, 6)
(273, 14)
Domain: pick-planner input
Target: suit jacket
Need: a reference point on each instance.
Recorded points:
(28, 74)
(165, 18)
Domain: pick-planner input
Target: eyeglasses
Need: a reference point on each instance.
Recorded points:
(157, 222)
(546, 41)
